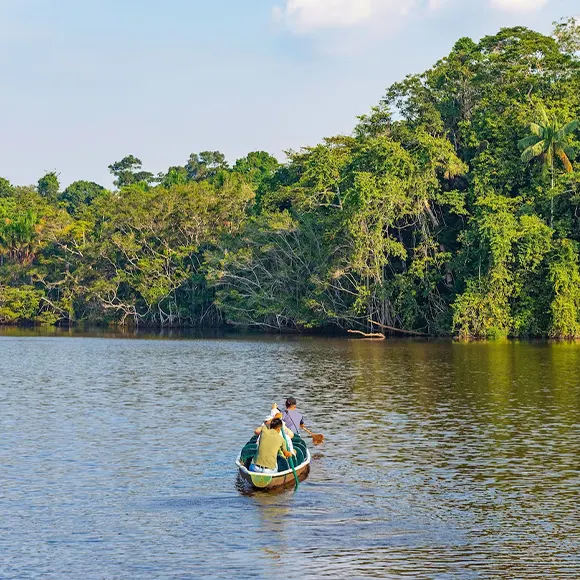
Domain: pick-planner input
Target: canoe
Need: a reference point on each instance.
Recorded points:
(283, 476)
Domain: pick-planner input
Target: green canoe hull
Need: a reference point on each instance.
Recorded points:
(280, 479)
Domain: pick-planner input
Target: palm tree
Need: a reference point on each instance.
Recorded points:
(18, 236)
(549, 143)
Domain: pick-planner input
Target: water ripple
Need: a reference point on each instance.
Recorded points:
(441, 460)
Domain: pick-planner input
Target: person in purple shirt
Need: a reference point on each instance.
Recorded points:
(293, 417)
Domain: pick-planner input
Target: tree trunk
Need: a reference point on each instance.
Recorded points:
(393, 329)
(373, 335)
(552, 196)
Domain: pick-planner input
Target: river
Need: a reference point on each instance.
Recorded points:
(441, 460)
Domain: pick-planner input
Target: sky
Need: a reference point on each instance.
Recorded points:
(86, 82)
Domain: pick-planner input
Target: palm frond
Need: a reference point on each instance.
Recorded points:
(537, 129)
(544, 116)
(567, 130)
(564, 159)
(528, 141)
(534, 151)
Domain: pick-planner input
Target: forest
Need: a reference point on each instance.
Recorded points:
(452, 209)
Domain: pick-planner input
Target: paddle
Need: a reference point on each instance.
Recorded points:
(317, 438)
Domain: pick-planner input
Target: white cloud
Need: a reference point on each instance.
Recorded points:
(304, 16)
(308, 16)
(519, 5)
(436, 4)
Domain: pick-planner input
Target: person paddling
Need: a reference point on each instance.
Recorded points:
(292, 416)
(271, 443)
(295, 421)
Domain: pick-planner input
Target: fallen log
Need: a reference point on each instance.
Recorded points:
(393, 329)
(373, 335)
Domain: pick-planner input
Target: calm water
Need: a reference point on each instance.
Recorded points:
(441, 460)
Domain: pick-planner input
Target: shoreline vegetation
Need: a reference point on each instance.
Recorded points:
(453, 209)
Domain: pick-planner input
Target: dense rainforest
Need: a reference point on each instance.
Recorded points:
(453, 208)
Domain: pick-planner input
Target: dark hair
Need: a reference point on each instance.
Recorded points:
(290, 401)
(275, 423)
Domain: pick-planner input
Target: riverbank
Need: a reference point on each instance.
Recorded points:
(120, 332)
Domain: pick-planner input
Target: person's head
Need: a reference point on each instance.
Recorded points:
(290, 402)
(274, 414)
(276, 424)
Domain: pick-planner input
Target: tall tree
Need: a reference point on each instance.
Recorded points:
(128, 172)
(567, 33)
(549, 142)
(256, 167)
(205, 165)
(49, 186)
(79, 194)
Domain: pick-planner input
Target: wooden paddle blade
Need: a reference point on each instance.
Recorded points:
(317, 438)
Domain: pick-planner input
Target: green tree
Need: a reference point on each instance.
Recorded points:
(20, 305)
(256, 166)
(142, 262)
(5, 188)
(567, 34)
(128, 172)
(49, 186)
(549, 142)
(176, 175)
(205, 165)
(565, 276)
(80, 194)
(18, 232)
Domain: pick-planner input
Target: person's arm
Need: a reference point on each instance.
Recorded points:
(284, 449)
(258, 430)
(289, 434)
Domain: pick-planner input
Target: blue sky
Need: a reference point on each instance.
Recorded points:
(86, 82)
